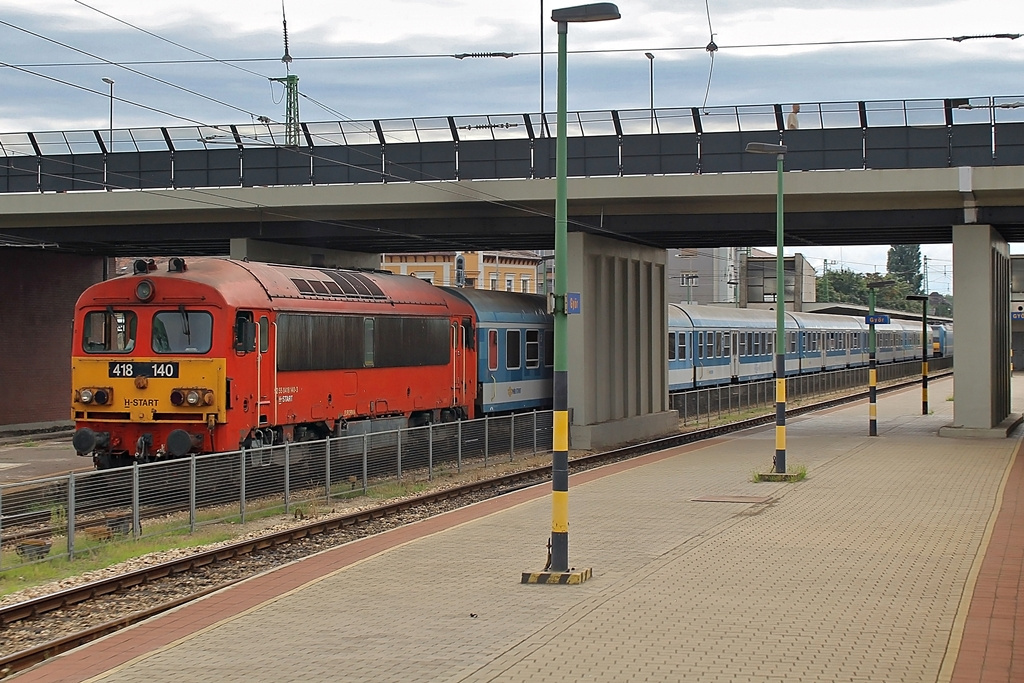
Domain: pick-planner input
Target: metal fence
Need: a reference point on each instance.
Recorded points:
(704, 406)
(67, 516)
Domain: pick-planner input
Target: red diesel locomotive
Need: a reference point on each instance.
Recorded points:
(218, 354)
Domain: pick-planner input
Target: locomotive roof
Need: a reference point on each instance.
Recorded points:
(251, 283)
(497, 306)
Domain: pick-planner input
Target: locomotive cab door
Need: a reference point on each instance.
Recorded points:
(253, 338)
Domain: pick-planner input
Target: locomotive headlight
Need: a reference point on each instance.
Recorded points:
(145, 290)
(102, 396)
(208, 398)
(193, 397)
(85, 396)
(177, 397)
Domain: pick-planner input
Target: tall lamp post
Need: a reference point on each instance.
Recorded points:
(780, 307)
(650, 57)
(600, 11)
(110, 130)
(923, 298)
(872, 366)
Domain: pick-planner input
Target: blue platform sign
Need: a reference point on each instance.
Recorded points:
(573, 303)
(1016, 315)
(876, 319)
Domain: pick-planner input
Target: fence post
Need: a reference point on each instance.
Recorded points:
(487, 436)
(71, 516)
(430, 451)
(287, 476)
(512, 437)
(365, 437)
(398, 434)
(136, 515)
(327, 468)
(241, 487)
(458, 456)
(535, 432)
(192, 494)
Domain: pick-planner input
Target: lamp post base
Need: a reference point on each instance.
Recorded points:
(571, 577)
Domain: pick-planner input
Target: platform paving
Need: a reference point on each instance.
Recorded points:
(875, 568)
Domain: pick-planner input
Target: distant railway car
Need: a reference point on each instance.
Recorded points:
(515, 350)
(830, 342)
(942, 339)
(722, 345)
(217, 354)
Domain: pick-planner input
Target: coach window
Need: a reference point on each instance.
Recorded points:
(682, 346)
(709, 344)
(533, 348)
(719, 349)
(368, 358)
(671, 345)
(109, 331)
(182, 331)
(549, 348)
(727, 345)
(513, 352)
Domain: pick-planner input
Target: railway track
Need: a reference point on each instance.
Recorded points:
(360, 523)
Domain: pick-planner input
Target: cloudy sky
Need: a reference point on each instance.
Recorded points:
(392, 59)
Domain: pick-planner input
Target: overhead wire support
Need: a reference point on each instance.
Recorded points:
(291, 92)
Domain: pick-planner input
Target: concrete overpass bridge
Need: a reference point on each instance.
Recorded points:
(928, 171)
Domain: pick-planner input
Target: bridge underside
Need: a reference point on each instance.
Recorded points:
(905, 206)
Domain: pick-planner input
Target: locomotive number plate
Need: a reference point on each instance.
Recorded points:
(163, 369)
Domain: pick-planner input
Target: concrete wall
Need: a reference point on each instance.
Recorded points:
(36, 313)
(618, 362)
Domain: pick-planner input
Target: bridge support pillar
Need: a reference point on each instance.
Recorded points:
(274, 252)
(981, 334)
(618, 365)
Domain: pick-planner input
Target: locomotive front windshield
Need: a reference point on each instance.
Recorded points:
(182, 331)
(109, 331)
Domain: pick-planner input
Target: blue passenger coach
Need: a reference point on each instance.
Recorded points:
(718, 345)
(515, 350)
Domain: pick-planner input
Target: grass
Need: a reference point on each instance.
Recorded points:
(93, 555)
(793, 473)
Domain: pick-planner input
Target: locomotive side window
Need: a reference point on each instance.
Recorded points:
(533, 348)
(182, 331)
(264, 334)
(335, 342)
(367, 342)
(513, 352)
(492, 349)
(109, 331)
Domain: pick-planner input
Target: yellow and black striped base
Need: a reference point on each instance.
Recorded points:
(573, 576)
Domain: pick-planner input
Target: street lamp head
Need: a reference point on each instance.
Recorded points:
(878, 284)
(765, 148)
(649, 55)
(108, 81)
(597, 11)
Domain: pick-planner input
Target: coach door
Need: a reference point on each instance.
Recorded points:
(734, 354)
(460, 331)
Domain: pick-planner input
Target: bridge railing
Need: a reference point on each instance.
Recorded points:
(933, 133)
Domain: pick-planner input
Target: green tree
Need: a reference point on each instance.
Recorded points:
(904, 264)
(843, 286)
